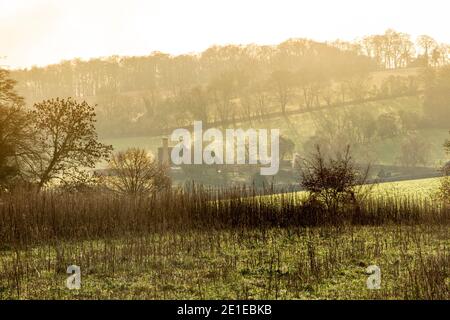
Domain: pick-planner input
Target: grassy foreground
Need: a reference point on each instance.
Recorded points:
(294, 263)
(203, 245)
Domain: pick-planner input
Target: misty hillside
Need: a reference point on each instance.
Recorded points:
(297, 86)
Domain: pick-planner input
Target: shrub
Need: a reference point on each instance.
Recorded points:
(331, 181)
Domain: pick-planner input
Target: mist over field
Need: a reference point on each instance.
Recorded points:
(224, 150)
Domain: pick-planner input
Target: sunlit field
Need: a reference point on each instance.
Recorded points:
(419, 187)
(205, 246)
(293, 263)
(224, 150)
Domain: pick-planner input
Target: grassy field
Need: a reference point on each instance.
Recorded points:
(415, 189)
(294, 263)
(191, 246)
(420, 187)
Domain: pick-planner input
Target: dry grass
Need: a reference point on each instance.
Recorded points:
(224, 244)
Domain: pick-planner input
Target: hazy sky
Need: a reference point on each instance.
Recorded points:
(39, 32)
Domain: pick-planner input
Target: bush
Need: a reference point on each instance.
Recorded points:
(331, 181)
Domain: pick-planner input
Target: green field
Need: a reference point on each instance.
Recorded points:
(420, 187)
(295, 263)
(249, 259)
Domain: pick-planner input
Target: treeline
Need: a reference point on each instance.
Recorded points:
(393, 50)
(171, 75)
(363, 126)
(55, 141)
(230, 83)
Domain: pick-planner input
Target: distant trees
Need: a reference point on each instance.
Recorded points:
(398, 85)
(431, 52)
(282, 82)
(223, 89)
(66, 142)
(427, 44)
(136, 172)
(232, 83)
(388, 125)
(363, 128)
(336, 130)
(222, 83)
(390, 50)
(414, 151)
(409, 121)
(197, 101)
(396, 50)
(437, 96)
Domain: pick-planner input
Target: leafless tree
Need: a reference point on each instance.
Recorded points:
(427, 44)
(282, 83)
(334, 180)
(136, 172)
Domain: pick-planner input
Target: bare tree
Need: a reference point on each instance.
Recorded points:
(390, 50)
(333, 180)
(136, 172)
(427, 44)
(197, 104)
(282, 82)
(66, 141)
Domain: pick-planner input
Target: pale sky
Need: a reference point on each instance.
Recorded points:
(40, 32)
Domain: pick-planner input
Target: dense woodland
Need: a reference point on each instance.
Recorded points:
(225, 84)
